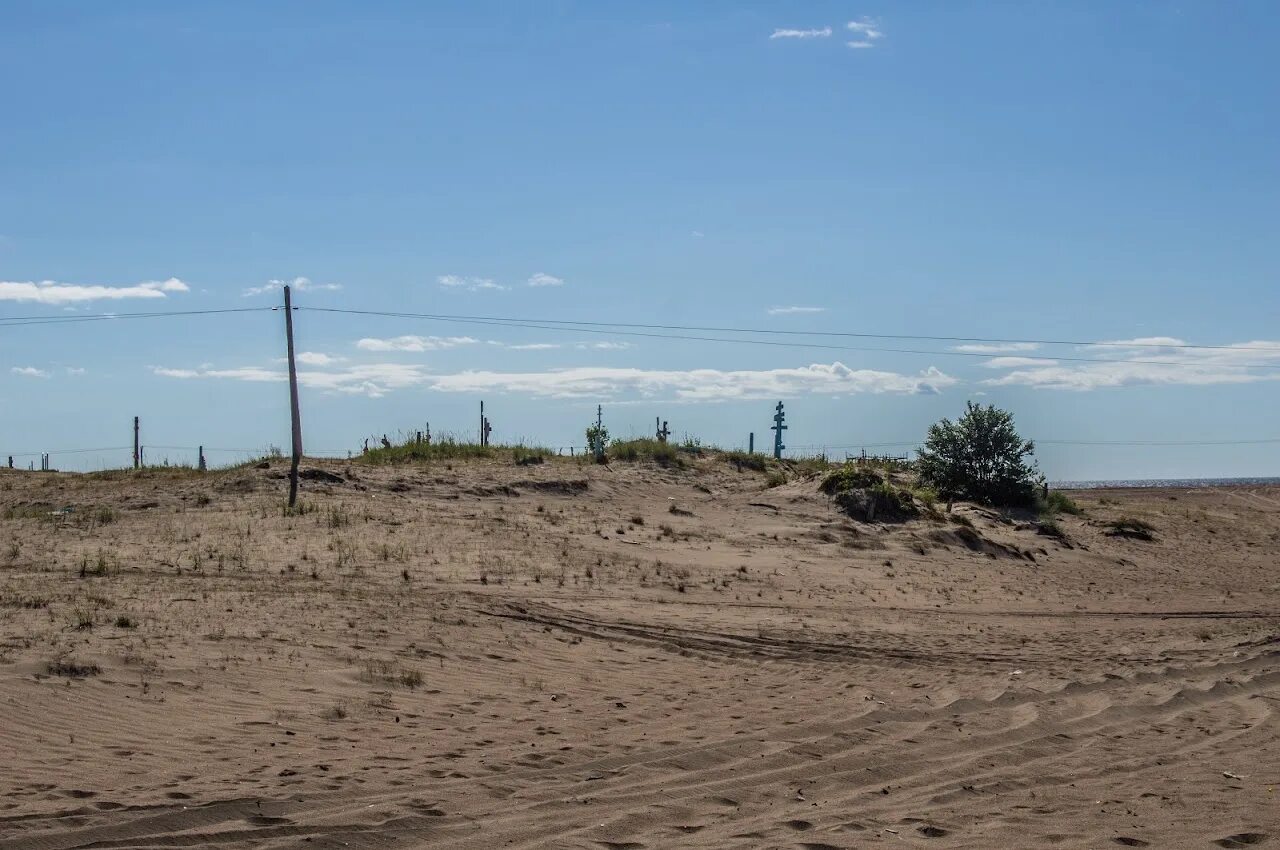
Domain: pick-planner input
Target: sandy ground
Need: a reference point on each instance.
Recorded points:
(481, 655)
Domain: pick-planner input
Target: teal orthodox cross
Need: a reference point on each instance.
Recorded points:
(777, 429)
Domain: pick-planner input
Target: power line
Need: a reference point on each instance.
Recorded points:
(17, 321)
(518, 323)
(778, 332)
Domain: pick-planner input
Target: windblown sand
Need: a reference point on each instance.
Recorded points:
(480, 655)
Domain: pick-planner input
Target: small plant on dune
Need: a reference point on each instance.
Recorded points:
(104, 515)
(663, 454)
(527, 457)
(1049, 527)
(126, 622)
(851, 476)
(1058, 502)
(70, 668)
(82, 619)
(745, 460)
(775, 479)
(1131, 527)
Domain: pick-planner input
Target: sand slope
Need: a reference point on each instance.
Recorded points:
(480, 655)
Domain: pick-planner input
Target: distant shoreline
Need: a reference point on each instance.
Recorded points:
(1155, 483)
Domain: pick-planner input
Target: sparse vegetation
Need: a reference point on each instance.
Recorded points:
(851, 476)
(663, 454)
(71, 668)
(1058, 502)
(1131, 527)
(745, 460)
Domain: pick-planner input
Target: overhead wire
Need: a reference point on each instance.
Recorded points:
(519, 323)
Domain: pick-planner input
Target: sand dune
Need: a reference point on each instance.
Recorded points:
(480, 655)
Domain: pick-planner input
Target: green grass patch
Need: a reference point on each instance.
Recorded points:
(632, 451)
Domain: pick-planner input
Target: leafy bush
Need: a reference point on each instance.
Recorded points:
(980, 458)
(597, 440)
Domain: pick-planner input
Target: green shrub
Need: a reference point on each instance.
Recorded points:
(851, 476)
(775, 479)
(980, 457)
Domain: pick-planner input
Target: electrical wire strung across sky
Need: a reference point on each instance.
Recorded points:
(679, 332)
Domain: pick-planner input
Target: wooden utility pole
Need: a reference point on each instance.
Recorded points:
(294, 412)
(137, 449)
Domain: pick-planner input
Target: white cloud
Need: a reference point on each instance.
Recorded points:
(50, 292)
(697, 234)
(530, 346)
(791, 33)
(474, 284)
(414, 343)
(298, 284)
(604, 346)
(29, 371)
(1239, 363)
(597, 382)
(866, 28)
(74, 370)
(866, 33)
(316, 358)
(791, 311)
(544, 279)
(996, 347)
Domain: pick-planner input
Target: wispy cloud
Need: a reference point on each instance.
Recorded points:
(996, 347)
(473, 284)
(1239, 363)
(599, 382)
(824, 32)
(866, 33)
(298, 284)
(414, 343)
(29, 371)
(50, 292)
(544, 279)
(1017, 362)
(529, 346)
(792, 311)
(604, 346)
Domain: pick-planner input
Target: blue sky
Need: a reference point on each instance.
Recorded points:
(1071, 171)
